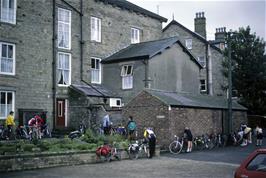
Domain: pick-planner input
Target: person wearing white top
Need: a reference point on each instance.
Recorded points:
(106, 124)
(150, 135)
(259, 134)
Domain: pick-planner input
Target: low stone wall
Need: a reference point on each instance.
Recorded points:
(45, 160)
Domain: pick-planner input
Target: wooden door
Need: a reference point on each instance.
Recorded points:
(61, 113)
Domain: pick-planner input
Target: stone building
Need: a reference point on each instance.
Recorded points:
(51, 54)
(168, 113)
(208, 53)
(52, 49)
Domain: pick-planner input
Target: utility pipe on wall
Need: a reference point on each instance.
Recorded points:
(210, 84)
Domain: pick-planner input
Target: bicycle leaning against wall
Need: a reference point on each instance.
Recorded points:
(177, 145)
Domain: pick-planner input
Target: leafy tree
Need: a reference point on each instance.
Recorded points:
(248, 69)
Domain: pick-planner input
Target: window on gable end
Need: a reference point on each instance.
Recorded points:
(203, 87)
(135, 35)
(202, 61)
(189, 43)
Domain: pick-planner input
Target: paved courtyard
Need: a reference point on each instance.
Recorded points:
(218, 163)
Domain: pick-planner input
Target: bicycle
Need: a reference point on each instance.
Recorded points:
(177, 145)
(135, 150)
(35, 132)
(21, 133)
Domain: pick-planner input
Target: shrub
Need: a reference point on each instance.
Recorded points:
(28, 147)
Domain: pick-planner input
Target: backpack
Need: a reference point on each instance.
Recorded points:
(132, 125)
(103, 150)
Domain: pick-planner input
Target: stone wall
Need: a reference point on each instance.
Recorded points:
(33, 38)
(45, 160)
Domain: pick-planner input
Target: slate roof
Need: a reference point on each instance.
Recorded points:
(146, 50)
(94, 90)
(194, 101)
(173, 22)
(132, 7)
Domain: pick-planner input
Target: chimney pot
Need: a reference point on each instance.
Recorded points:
(202, 14)
(196, 15)
(224, 29)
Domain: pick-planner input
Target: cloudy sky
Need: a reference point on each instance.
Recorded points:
(227, 13)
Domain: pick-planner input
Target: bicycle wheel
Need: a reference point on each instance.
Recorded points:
(175, 147)
(133, 154)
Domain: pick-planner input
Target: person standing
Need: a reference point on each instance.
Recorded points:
(10, 123)
(131, 127)
(150, 135)
(259, 134)
(189, 137)
(106, 124)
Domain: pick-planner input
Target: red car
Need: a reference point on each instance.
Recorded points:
(254, 166)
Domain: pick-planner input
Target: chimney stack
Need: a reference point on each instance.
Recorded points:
(220, 34)
(200, 24)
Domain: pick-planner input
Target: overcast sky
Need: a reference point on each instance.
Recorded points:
(227, 13)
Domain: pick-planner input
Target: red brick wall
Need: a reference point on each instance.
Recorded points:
(149, 111)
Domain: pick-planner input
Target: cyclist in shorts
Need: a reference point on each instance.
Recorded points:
(189, 137)
(131, 128)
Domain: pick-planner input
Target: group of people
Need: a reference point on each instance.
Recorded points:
(246, 133)
(36, 121)
(131, 131)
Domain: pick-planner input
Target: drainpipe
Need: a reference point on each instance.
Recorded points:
(209, 70)
(146, 79)
(54, 65)
(81, 39)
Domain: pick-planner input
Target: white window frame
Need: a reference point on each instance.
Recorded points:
(13, 103)
(113, 102)
(60, 109)
(189, 43)
(13, 57)
(9, 11)
(94, 71)
(127, 77)
(64, 24)
(202, 61)
(96, 24)
(203, 85)
(69, 83)
(135, 35)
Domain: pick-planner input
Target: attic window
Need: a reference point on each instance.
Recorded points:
(202, 61)
(189, 43)
(135, 35)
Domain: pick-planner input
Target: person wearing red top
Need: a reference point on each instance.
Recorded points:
(36, 122)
